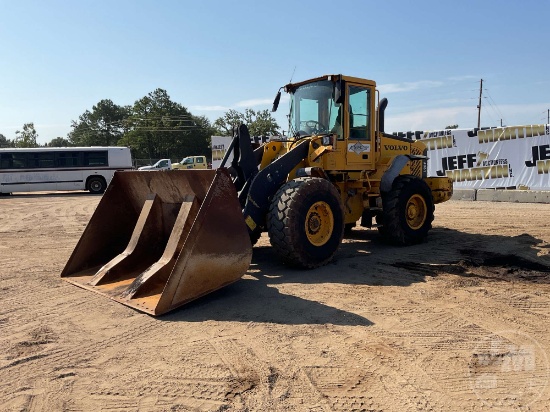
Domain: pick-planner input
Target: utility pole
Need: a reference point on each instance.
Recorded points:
(479, 105)
(548, 120)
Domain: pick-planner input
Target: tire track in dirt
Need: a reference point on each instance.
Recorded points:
(54, 357)
(460, 338)
(54, 311)
(205, 385)
(350, 377)
(440, 331)
(208, 390)
(39, 303)
(74, 219)
(202, 377)
(426, 322)
(32, 302)
(533, 303)
(446, 333)
(57, 363)
(257, 383)
(30, 296)
(366, 374)
(69, 213)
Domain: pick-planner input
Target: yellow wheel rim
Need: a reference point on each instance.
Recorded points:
(416, 212)
(319, 223)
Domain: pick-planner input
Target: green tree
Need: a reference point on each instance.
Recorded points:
(26, 137)
(200, 141)
(58, 142)
(5, 142)
(103, 126)
(153, 127)
(228, 123)
(259, 123)
(452, 126)
(159, 127)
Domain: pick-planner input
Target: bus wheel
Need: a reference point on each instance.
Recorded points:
(96, 185)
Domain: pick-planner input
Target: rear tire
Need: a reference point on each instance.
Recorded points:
(306, 222)
(408, 211)
(96, 185)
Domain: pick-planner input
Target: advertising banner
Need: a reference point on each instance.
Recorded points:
(512, 157)
(220, 145)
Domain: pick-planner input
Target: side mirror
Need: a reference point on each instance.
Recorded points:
(338, 96)
(276, 101)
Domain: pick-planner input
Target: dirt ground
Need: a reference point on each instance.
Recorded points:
(460, 323)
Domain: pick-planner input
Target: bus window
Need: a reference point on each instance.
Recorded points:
(68, 159)
(19, 160)
(46, 160)
(6, 161)
(98, 158)
(40, 160)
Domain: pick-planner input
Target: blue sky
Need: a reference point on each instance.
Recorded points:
(59, 58)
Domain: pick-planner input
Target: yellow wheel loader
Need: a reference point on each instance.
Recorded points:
(158, 240)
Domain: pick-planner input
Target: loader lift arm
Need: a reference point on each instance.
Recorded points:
(267, 182)
(256, 188)
(244, 164)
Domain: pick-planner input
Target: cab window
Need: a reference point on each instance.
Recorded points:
(359, 104)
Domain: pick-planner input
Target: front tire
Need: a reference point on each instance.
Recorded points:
(306, 222)
(408, 211)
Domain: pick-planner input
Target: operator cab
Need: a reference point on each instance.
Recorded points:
(338, 107)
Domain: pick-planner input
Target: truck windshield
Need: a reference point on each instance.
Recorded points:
(313, 111)
(187, 161)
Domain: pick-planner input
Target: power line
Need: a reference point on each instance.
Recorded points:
(488, 113)
(496, 108)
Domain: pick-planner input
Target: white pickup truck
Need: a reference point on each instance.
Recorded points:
(162, 164)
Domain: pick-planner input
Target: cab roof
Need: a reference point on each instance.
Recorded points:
(292, 86)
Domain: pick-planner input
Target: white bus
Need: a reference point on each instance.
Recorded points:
(61, 168)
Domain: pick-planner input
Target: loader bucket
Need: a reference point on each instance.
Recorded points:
(159, 239)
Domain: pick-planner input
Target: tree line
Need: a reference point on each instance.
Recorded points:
(153, 127)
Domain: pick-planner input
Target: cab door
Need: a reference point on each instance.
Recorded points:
(200, 162)
(360, 127)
